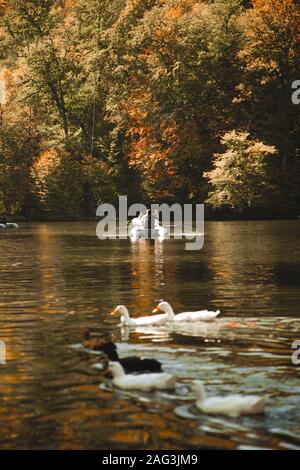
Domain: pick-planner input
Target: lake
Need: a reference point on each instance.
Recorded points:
(56, 277)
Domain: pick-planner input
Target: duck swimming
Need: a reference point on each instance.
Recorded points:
(200, 315)
(232, 405)
(144, 382)
(94, 344)
(130, 364)
(126, 320)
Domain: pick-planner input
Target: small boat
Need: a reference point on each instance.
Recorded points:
(9, 225)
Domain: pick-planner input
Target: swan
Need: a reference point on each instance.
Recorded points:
(201, 315)
(130, 363)
(232, 405)
(152, 320)
(144, 382)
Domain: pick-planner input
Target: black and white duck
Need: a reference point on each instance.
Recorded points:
(129, 364)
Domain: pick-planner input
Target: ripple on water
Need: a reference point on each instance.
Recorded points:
(58, 277)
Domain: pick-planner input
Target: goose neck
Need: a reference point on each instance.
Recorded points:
(200, 391)
(170, 312)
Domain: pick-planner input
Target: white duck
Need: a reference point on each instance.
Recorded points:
(201, 315)
(232, 405)
(152, 320)
(144, 382)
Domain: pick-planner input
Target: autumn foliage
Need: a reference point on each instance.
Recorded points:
(139, 96)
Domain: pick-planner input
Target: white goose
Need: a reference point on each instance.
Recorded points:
(201, 315)
(232, 405)
(144, 382)
(152, 320)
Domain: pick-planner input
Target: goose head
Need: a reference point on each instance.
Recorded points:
(199, 390)
(116, 369)
(121, 311)
(165, 307)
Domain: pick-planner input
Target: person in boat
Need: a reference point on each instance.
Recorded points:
(3, 219)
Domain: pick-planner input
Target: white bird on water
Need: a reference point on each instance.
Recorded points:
(232, 405)
(151, 320)
(200, 315)
(144, 382)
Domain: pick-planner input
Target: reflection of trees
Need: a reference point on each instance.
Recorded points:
(49, 256)
(78, 272)
(148, 273)
(241, 257)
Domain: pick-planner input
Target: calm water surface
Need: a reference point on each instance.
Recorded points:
(55, 278)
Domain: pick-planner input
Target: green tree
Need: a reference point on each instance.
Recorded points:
(241, 177)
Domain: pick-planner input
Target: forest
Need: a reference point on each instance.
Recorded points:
(160, 100)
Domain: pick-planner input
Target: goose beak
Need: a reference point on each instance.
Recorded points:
(113, 312)
(156, 310)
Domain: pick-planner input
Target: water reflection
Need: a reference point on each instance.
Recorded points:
(57, 277)
(148, 269)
